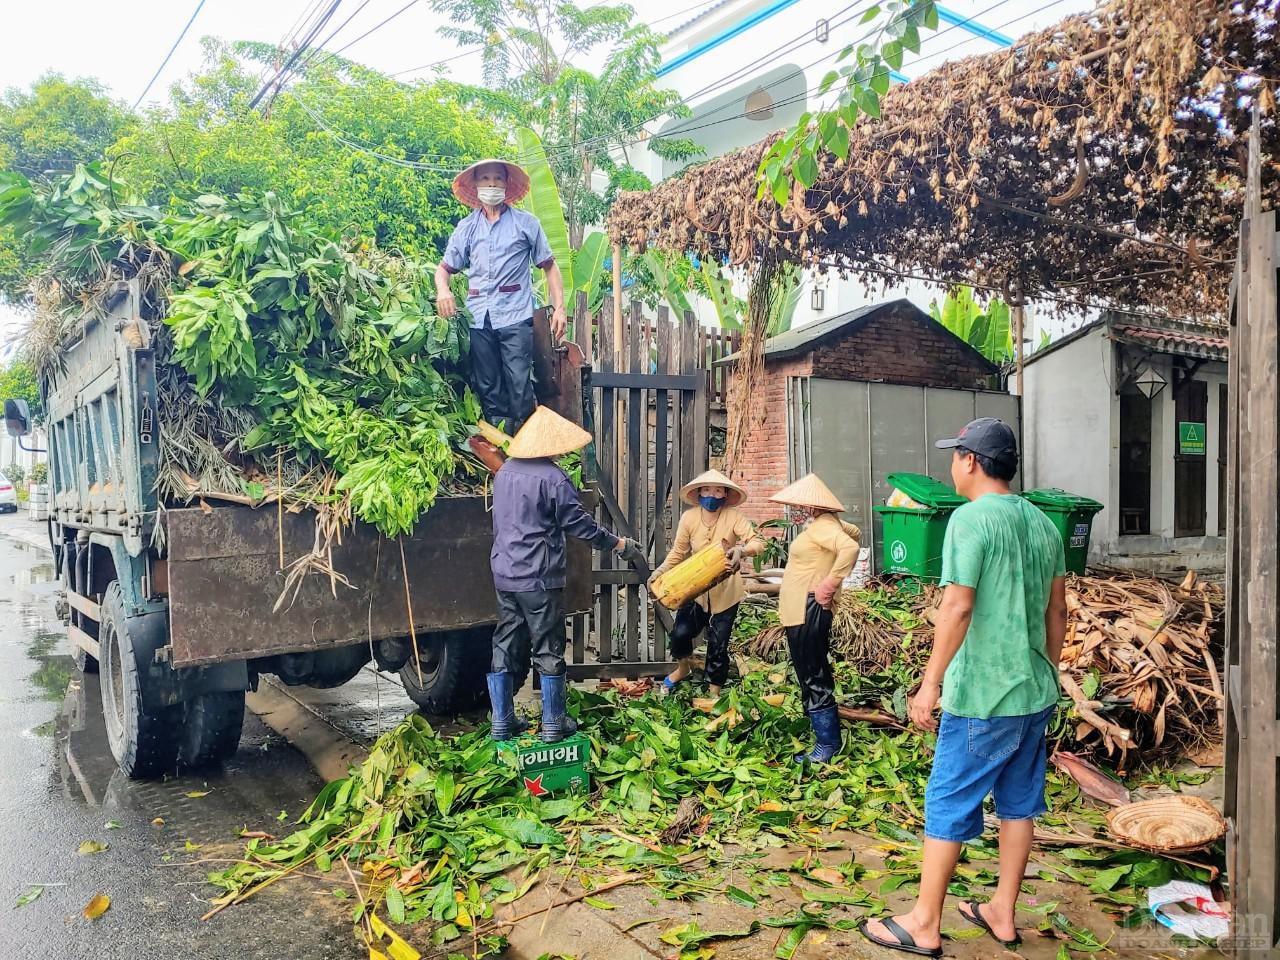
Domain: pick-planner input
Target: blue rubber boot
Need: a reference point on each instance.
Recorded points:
(504, 725)
(556, 724)
(826, 733)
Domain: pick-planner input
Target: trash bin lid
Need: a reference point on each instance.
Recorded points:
(1059, 499)
(926, 490)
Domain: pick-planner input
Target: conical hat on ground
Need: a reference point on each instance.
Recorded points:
(713, 478)
(464, 184)
(547, 434)
(809, 491)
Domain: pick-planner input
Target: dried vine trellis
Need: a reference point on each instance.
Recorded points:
(1098, 161)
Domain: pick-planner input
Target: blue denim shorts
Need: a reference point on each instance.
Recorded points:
(1004, 756)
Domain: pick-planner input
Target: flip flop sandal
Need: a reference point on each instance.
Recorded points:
(668, 686)
(904, 942)
(977, 920)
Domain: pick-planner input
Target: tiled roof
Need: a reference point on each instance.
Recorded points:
(1182, 342)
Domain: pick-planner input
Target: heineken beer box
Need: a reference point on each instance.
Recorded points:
(549, 768)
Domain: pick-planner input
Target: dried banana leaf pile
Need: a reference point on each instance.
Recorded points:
(1141, 662)
(1140, 666)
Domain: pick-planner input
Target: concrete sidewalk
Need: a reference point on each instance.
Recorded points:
(34, 533)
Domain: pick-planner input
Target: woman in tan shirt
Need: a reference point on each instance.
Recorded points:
(713, 519)
(817, 563)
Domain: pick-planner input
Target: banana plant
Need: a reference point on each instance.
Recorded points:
(729, 309)
(582, 269)
(988, 331)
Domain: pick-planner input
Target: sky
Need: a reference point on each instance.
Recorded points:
(122, 43)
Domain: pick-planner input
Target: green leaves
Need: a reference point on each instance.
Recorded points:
(526, 832)
(794, 157)
(544, 202)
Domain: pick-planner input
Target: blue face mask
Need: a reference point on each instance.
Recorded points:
(711, 504)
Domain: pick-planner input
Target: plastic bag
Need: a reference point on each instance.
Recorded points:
(1188, 909)
(900, 499)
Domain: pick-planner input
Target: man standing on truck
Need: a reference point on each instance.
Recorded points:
(534, 506)
(496, 247)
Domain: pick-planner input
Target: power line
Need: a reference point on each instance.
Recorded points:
(302, 49)
(168, 56)
(472, 51)
(352, 43)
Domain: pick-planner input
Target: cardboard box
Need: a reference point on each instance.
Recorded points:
(549, 768)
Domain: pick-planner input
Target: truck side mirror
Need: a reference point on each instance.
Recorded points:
(17, 418)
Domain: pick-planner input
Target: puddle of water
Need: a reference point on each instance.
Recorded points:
(52, 676)
(35, 574)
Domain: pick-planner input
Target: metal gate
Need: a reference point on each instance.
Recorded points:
(1253, 473)
(649, 387)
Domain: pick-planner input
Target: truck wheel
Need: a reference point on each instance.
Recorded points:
(211, 728)
(144, 745)
(453, 663)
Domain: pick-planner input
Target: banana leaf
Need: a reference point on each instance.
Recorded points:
(544, 203)
(722, 297)
(588, 267)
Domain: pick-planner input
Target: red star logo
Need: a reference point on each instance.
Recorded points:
(535, 786)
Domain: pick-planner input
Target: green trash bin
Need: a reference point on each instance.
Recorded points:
(912, 539)
(1073, 518)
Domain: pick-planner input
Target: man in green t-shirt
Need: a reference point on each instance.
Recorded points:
(994, 672)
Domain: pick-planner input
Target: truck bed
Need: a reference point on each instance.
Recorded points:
(224, 579)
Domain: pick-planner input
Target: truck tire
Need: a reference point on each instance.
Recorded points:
(454, 664)
(211, 725)
(145, 745)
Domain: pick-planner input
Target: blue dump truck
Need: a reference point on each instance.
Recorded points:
(176, 604)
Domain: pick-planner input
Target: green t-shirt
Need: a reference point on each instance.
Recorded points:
(1009, 552)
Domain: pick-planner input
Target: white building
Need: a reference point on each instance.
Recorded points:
(1133, 413)
(748, 68)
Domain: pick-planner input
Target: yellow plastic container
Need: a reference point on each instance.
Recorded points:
(692, 578)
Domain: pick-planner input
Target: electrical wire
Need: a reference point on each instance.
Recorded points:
(313, 64)
(472, 51)
(309, 39)
(169, 56)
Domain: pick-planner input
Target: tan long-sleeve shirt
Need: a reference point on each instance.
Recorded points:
(692, 535)
(828, 547)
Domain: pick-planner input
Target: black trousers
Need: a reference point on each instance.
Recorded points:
(810, 646)
(530, 626)
(691, 620)
(502, 372)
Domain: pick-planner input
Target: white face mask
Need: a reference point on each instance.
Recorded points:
(491, 196)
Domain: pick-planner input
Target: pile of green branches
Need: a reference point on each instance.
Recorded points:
(275, 343)
(433, 837)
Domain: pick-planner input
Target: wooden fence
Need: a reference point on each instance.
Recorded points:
(650, 392)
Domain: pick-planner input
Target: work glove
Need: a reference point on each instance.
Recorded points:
(735, 557)
(632, 553)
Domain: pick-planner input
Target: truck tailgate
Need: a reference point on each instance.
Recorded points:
(224, 580)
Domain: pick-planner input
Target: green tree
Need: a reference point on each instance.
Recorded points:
(584, 120)
(362, 154)
(51, 127)
(18, 382)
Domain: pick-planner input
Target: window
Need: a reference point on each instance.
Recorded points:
(1135, 463)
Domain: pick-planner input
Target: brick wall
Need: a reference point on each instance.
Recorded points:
(763, 470)
(901, 346)
(897, 346)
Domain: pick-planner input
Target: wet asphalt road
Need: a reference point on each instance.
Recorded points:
(59, 786)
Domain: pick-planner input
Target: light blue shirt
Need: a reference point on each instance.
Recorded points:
(497, 257)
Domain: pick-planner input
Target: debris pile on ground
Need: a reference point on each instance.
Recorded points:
(434, 840)
(1139, 667)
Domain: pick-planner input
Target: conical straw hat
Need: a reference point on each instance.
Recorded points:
(464, 184)
(1167, 824)
(547, 434)
(713, 478)
(809, 491)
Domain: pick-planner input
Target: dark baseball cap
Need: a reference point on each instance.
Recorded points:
(987, 436)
